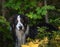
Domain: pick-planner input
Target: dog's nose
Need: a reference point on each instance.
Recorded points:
(20, 27)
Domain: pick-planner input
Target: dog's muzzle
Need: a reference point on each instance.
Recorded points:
(21, 28)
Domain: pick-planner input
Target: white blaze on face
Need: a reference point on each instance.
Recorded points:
(19, 22)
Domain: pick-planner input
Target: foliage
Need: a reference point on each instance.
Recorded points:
(43, 33)
(5, 33)
(4, 25)
(22, 6)
(55, 21)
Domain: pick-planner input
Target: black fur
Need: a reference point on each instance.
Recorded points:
(13, 22)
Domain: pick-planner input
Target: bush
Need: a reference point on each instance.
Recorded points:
(5, 34)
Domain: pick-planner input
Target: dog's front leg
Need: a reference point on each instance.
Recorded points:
(27, 30)
(23, 39)
(19, 38)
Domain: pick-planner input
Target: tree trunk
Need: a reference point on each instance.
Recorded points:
(3, 8)
(46, 16)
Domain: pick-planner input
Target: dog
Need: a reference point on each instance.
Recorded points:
(20, 29)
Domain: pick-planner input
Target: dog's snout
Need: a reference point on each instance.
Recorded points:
(20, 27)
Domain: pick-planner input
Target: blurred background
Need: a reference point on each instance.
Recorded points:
(38, 11)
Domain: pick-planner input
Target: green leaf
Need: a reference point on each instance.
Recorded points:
(44, 12)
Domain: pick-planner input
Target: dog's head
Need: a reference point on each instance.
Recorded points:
(19, 22)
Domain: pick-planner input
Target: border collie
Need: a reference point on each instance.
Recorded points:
(19, 28)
